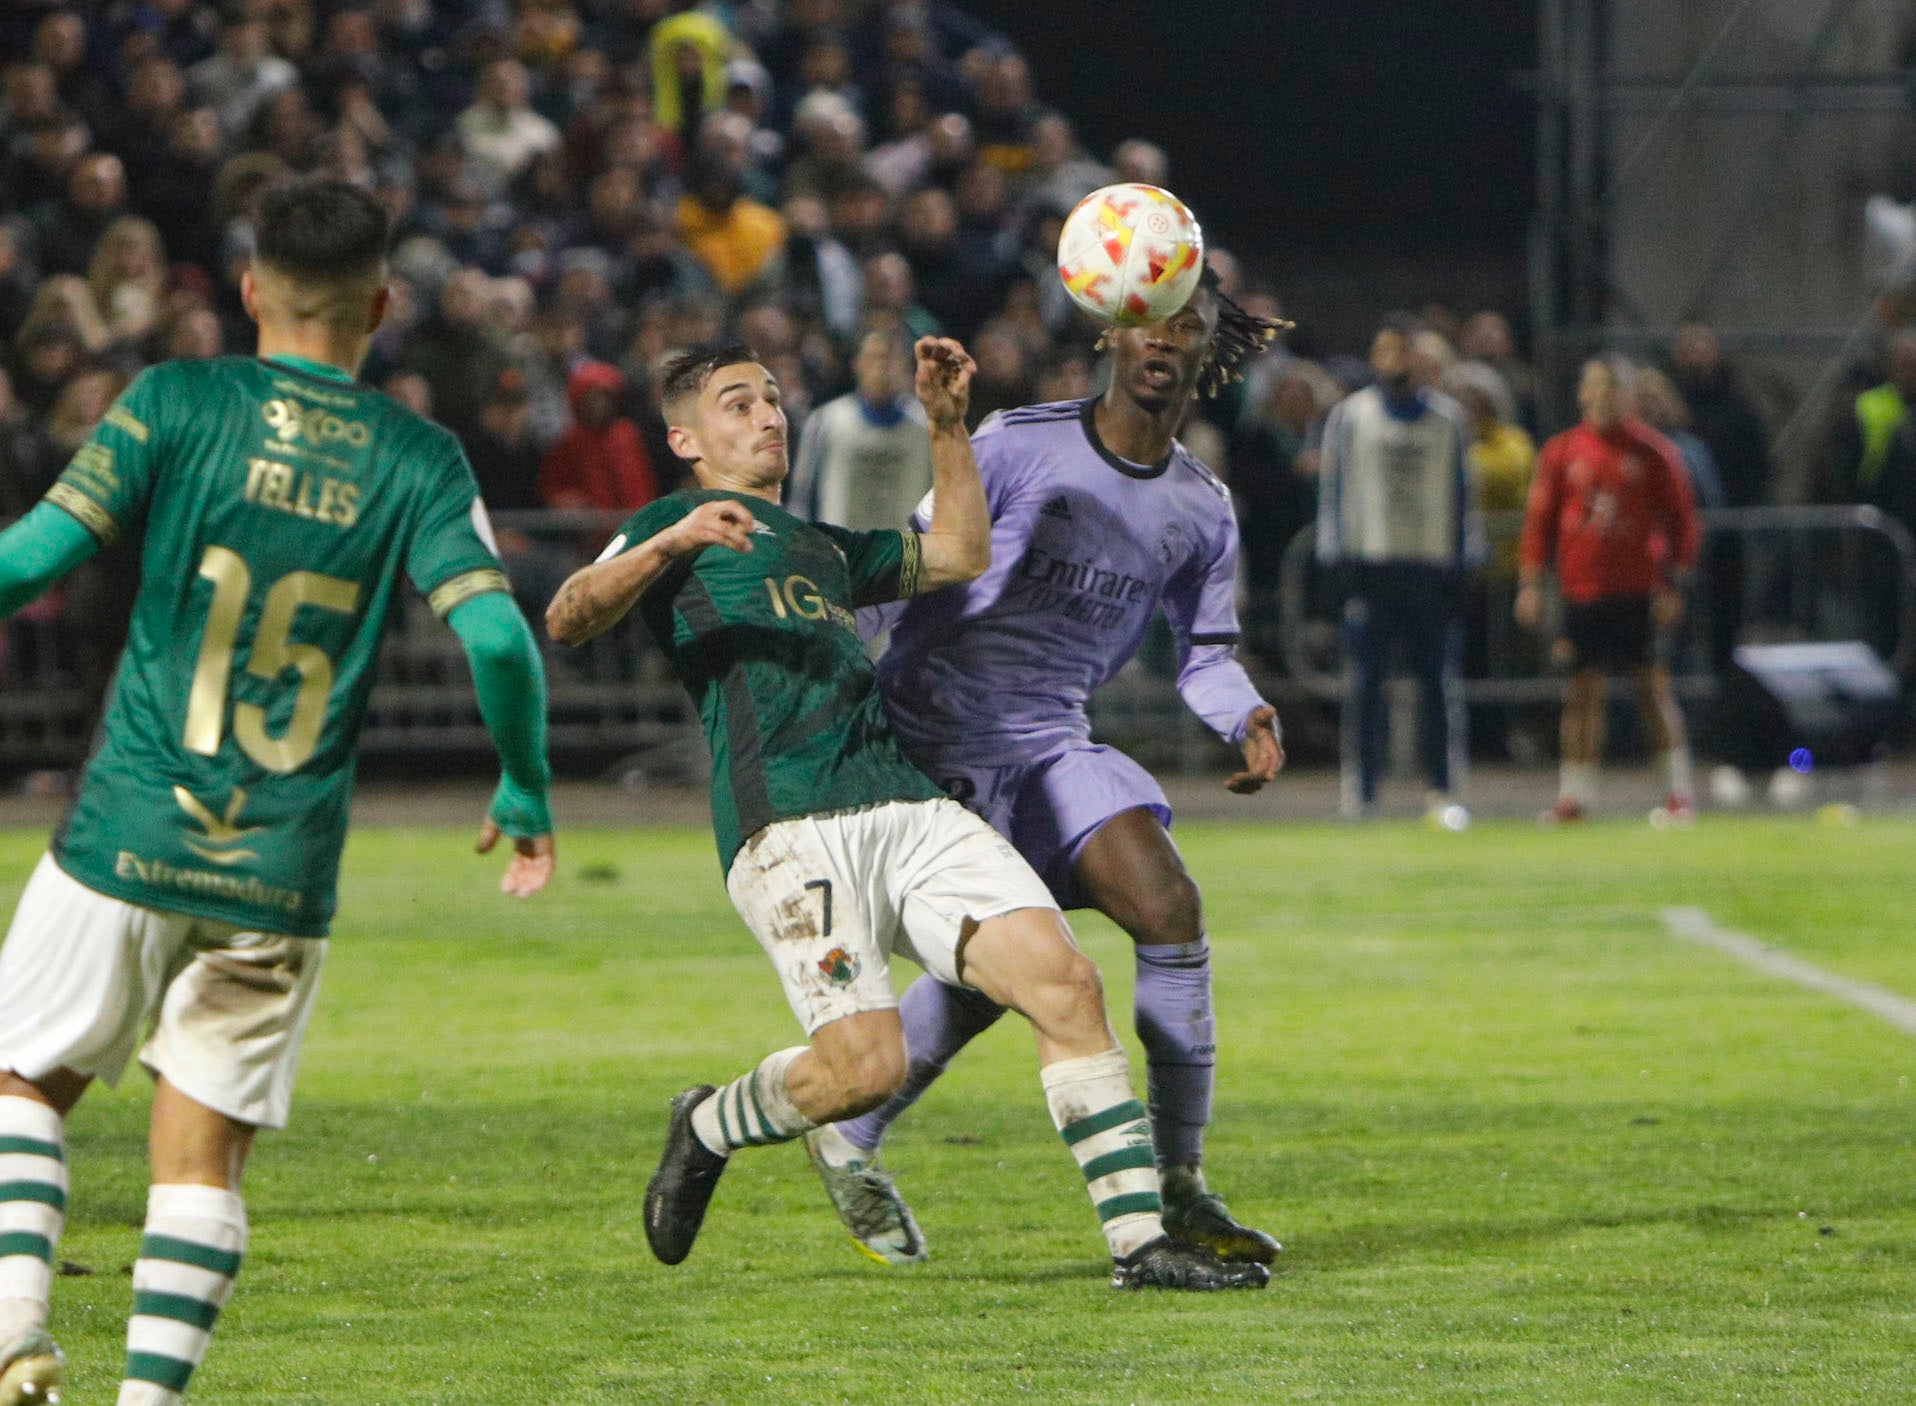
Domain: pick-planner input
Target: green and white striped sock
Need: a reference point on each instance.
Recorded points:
(753, 1110)
(33, 1203)
(1104, 1125)
(195, 1238)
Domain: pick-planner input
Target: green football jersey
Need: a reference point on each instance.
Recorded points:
(280, 501)
(765, 643)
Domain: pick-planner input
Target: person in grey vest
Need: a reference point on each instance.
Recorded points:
(1398, 527)
(864, 460)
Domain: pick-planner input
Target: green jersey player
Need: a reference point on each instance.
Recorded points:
(837, 852)
(190, 889)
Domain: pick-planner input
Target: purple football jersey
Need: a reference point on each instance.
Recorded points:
(1084, 547)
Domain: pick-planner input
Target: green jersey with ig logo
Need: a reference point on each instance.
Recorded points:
(765, 643)
(280, 502)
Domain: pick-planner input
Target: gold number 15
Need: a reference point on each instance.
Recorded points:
(271, 656)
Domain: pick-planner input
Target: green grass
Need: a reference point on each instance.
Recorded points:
(1521, 1144)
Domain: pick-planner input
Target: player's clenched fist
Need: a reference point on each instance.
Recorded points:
(944, 379)
(717, 524)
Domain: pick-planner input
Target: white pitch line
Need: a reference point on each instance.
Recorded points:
(1695, 925)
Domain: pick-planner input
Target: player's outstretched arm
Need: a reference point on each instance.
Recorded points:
(595, 598)
(37, 551)
(511, 684)
(957, 546)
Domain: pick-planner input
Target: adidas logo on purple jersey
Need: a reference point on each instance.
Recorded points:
(1059, 507)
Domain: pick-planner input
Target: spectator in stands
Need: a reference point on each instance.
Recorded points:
(244, 73)
(172, 188)
(733, 238)
(1487, 338)
(830, 136)
(1872, 455)
(60, 44)
(1061, 173)
(1397, 522)
(687, 53)
(600, 461)
(958, 288)
(500, 132)
(69, 228)
(824, 73)
(1006, 114)
(127, 279)
(1503, 458)
(1004, 379)
(18, 278)
(29, 461)
(1722, 416)
(821, 277)
(505, 456)
(1661, 406)
(1274, 459)
(1502, 454)
(194, 334)
(891, 291)
(454, 353)
(864, 460)
(1611, 514)
(1138, 160)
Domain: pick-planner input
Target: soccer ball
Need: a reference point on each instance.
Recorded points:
(1131, 254)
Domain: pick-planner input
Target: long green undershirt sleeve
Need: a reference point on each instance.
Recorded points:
(37, 551)
(511, 683)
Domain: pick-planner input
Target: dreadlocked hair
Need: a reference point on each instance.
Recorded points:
(1240, 336)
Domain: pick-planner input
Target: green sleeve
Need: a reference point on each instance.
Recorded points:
(451, 557)
(881, 566)
(37, 551)
(511, 684)
(106, 485)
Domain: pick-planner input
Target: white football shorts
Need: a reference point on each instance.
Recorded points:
(84, 976)
(831, 897)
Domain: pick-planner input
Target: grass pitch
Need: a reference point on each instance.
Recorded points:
(1521, 1143)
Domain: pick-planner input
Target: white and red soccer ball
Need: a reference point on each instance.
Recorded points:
(1131, 254)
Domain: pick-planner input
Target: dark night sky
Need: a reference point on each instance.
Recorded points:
(1306, 124)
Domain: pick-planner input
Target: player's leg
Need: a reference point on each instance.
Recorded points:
(223, 1056)
(1581, 745)
(1437, 648)
(33, 1193)
(940, 1018)
(1362, 721)
(79, 977)
(805, 888)
(1657, 700)
(1131, 871)
(1026, 960)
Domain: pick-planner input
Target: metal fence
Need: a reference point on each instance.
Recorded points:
(1769, 574)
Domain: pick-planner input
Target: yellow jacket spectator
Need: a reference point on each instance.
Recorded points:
(688, 55)
(733, 237)
(1502, 454)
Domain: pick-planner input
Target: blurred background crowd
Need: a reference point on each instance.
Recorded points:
(580, 186)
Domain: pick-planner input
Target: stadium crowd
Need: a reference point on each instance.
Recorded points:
(582, 185)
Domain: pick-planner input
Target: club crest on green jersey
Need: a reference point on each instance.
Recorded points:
(221, 832)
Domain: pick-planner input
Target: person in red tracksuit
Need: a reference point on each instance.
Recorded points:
(600, 461)
(1611, 509)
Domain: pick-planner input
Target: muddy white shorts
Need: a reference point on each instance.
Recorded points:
(831, 897)
(83, 977)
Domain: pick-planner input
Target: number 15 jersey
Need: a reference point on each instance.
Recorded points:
(280, 501)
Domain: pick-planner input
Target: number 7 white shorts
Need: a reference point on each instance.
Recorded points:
(831, 897)
(83, 976)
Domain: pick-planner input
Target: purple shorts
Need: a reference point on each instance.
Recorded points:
(1049, 806)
